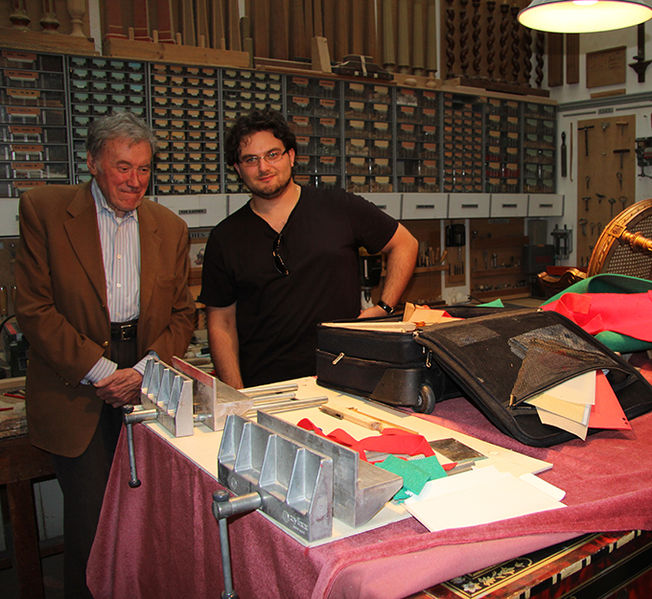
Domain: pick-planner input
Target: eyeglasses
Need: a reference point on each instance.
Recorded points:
(279, 264)
(270, 157)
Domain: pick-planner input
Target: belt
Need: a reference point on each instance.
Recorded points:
(124, 331)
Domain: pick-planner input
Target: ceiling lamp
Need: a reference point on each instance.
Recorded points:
(584, 16)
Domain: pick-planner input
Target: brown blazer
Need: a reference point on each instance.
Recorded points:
(62, 309)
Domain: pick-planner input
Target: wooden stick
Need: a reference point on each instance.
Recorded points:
(388, 422)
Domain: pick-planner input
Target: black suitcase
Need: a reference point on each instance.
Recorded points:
(499, 361)
(389, 367)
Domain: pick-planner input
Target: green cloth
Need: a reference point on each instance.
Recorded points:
(497, 303)
(611, 283)
(415, 473)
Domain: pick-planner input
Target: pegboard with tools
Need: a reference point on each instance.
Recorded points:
(606, 176)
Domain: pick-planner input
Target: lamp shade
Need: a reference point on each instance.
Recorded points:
(584, 16)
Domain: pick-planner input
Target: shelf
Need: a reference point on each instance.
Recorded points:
(492, 272)
(500, 293)
(490, 243)
(426, 269)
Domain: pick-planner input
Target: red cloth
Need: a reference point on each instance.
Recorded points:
(625, 313)
(390, 440)
(162, 541)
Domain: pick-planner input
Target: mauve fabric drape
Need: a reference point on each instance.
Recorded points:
(161, 539)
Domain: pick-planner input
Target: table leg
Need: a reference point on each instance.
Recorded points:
(25, 539)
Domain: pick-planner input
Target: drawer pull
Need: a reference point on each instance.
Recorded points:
(425, 206)
(545, 205)
(509, 205)
(192, 211)
(470, 206)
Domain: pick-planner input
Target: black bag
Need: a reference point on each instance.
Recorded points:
(499, 361)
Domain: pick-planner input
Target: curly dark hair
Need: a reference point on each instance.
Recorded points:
(257, 120)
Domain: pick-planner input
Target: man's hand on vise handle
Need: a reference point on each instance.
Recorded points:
(120, 388)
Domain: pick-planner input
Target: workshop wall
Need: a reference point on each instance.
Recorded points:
(607, 91)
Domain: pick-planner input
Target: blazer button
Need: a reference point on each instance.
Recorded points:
(105, 344)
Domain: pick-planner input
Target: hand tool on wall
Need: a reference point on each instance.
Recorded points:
(640, 64)
(612, 201)
(582, 222)
(621, 126)
(563, 154)
(570, 166)
(585, 129)
(600, 197)
(490, 53)
(623, 201)
(431, 37)
(619, 176)
(586, 199)
(621, 153)
(463, 37)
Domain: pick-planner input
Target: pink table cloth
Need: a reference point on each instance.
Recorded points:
(161, 540)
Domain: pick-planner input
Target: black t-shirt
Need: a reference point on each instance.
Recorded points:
(277, 315)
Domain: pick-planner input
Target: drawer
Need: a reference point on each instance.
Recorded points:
(387, 202)
(546, 204)
(212, 209)
(237, 201)
(469, 205)
(197, 210)
(9, 217)
(508, 205)
(424, 205)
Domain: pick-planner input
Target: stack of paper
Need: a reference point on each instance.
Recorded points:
(453, 502)
(586, 401)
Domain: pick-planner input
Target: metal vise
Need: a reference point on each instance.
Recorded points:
(271, 458)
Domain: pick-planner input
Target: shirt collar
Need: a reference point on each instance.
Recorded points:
(102, 205)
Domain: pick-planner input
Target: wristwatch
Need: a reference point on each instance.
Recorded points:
(389, 309)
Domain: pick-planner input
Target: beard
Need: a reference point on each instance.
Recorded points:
(271, 190)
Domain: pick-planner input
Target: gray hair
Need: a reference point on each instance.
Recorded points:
(124, 125)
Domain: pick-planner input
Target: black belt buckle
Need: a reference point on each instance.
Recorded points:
(124, 331)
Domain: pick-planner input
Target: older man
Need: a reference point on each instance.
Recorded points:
(101, 276)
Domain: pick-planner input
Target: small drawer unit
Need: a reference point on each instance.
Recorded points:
(462, 149)
(424, 205)
(387, 202)
(545, 204)
(205, 210)
(417, 140)
(368, 143)
(33, 121)
(313, 107)
(9, 217)
(186, 122)
(508, 205)
(469, 205)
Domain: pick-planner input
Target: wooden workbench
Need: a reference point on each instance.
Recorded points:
(21, 464)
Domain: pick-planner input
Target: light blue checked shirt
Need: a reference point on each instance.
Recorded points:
(121, 256)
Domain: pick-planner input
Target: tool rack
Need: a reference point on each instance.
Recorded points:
(368, 136)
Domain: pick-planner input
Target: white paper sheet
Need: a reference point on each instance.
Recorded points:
(478, 497)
